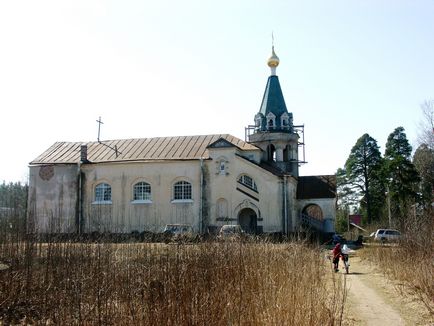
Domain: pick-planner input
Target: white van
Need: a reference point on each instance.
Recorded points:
(385, 235)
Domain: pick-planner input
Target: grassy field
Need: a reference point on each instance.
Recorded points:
(210, 283)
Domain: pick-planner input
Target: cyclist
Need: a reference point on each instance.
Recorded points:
(337, 253)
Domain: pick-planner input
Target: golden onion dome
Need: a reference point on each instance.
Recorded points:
(273, 61)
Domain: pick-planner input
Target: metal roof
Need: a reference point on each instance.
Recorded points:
(143, 149)
(316, 186)
(273, 100)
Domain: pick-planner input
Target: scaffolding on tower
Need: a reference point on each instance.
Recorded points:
(299, 130)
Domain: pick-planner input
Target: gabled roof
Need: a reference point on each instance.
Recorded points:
(143, 149)
(221, 143)
(317, 186)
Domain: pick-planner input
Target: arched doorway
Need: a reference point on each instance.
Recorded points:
(248, 220)
(314, 211)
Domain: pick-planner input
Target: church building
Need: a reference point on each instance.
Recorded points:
(206, 181)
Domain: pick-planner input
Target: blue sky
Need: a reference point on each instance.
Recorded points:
(168, 68)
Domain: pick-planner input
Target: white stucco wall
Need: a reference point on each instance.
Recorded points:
(52, 198)
(269, 206)
(123, 215)
(292, 207)
(53, 195)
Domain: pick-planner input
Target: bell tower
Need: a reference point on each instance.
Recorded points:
(274, 131)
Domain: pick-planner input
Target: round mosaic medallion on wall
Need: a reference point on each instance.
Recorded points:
(46, 172)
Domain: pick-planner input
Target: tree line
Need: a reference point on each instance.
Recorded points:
(13, 209)
(388, 189)
(13, 196)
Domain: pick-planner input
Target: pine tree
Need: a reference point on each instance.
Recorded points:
(402, 177)
(423, 161)
(363, 170)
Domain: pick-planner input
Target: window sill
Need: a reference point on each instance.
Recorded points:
(146, 201)
(102, 202)
(181, 201)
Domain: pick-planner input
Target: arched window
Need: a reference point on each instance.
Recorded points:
(142, 191)
(248, 182)
(258, 121)
(284, 121)
(287, 153)
(103, 192)
(271, 121)
(182, 190)
(271, 153)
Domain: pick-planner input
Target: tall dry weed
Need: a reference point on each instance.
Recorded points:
(212, 283)
(411, 260)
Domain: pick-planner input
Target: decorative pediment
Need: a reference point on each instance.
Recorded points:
(270, 115)
(285, 120)
(258, 119)
(221, 143)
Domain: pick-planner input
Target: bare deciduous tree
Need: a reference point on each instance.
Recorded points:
(426, 125)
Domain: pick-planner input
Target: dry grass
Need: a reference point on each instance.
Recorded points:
(159, 284)
(411, 265)
(411, 261)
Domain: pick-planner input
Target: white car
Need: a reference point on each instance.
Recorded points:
(385, 235)
(230, 232)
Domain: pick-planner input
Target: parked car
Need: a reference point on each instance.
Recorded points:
(178, 232)
(385, 235)
(178, 229)
(230, 231)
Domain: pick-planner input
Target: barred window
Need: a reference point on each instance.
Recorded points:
(103, 192)
(182, 190)
(248, 182)
(142, 191)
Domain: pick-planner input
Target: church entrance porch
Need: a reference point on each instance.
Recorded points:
(248, 219)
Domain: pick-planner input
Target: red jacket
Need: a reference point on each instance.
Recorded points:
(337, 250)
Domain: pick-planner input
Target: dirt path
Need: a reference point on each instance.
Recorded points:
(375, 300)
